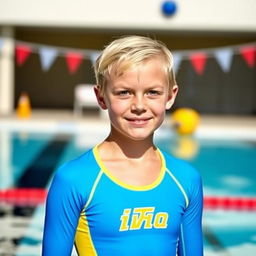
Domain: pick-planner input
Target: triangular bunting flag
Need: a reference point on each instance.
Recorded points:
(74, 60)
(94, 55)
(177, 58)
(1, 43)
(198, 61)
(224, 57)
(47, 57)
(22, 53)
(249, 55)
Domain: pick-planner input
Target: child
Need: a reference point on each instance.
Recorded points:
(125, 196)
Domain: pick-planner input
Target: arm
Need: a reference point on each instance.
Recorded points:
(63, 208)
(190, 239)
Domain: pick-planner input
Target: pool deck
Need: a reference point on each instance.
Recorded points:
(223, 126)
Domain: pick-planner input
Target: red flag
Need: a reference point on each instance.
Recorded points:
(198, 61)
(22, 53)
(249, 55)
(74, 60)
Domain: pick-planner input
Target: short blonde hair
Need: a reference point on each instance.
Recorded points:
(127, 51)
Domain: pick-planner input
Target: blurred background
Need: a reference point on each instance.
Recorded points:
(49, 115)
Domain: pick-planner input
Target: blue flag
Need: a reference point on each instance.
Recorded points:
(224, 57)
(1, 43)
(177, 58)
(93, 56)
(47, 57)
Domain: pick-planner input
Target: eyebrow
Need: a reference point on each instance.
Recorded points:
(123, 87)
(130, 86)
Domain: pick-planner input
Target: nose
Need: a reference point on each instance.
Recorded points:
(138, 104)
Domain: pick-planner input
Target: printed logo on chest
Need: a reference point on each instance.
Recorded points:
(142, 218)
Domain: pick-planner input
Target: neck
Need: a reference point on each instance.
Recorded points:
(129, 148)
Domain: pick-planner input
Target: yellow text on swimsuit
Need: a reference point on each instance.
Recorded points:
(144, 217)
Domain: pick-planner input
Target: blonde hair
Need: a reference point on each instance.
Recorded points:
(127, 51)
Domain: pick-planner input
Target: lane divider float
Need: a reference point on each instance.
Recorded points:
(230, 203)
(23, 196)
(37, 196)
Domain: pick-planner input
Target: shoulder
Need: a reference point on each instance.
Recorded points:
(184, 172)
(78, 173)
(179, 166)
(77, 166)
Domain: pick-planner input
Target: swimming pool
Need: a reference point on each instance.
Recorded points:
(227, 168)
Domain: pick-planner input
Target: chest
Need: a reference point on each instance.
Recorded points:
(117, 211)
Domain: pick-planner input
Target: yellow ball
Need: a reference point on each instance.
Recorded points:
(186, 120)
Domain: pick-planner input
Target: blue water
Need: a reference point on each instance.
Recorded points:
(227, 169)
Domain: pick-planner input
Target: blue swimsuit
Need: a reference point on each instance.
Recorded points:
(103, 216)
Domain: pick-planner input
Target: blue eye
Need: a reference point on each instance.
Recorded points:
(154, 92)
(123, 93)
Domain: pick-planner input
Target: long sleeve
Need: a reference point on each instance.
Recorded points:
(63, 207)
(190, 239)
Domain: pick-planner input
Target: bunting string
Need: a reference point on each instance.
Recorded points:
(74, 57)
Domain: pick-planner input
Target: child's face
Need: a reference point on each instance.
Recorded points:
(137, 100)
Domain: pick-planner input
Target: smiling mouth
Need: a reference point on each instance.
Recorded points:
(138, 121)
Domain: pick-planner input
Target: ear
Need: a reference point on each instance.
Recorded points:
(99, 97)
(172, 97)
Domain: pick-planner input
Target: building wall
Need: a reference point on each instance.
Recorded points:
(210, 15)
(84, 24)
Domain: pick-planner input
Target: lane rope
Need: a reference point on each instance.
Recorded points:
(23, 196)
(230, 203)
(37, 196)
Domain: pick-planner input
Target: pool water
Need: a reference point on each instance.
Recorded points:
(227, 169)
